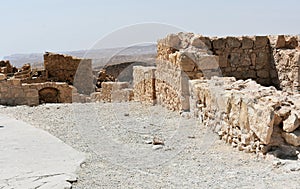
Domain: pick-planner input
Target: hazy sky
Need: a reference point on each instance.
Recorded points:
(60, 25)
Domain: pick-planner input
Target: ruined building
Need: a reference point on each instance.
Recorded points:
(54, 83)
(245, 88)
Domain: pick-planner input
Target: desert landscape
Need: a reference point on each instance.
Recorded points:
(192, 111)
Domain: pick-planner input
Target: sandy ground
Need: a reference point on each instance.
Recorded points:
(116, 138)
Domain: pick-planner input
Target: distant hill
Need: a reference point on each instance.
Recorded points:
(100, 57)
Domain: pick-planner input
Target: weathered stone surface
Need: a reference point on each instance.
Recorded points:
(280, 42)
(291, 123)
(32, 158)
(292, 138)
(261, 119)
(113, 92)
(287, 65)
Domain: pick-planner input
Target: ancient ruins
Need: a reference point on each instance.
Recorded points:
(245, 88)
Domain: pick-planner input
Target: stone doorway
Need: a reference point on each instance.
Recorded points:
(48, 95)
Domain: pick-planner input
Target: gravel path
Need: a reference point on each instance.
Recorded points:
(117, 137)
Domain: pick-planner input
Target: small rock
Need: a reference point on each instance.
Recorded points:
(157, 141)
(126, 114)
(291, 123)
(148, 141)
(292, 138)
(157, 147)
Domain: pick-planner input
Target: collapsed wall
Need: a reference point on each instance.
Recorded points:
(74, 71)
(247, 115)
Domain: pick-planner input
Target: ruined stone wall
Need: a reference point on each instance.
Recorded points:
(246, 58)
(185, 56)
(286, 60)
(144, 84)
(239, 57)
(74, 71)
(13, 92)
(177, 62)
(247, 115)
(113, 92)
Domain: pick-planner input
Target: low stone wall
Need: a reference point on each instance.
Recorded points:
(113, 92)
(247, 115)
(144, 84)
(13, 92)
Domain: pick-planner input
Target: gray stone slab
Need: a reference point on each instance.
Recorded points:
(32, 158)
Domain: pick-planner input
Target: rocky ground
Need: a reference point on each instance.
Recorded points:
(129, 145)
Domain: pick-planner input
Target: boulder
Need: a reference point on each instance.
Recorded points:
(291, 123)
(292, 138)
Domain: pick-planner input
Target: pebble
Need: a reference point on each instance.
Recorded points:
(157, 147)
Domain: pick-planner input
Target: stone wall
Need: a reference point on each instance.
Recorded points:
(246, 57)
(113, 92)
(178, 62)
(286, 60)
(144, 84)
(247, 115)
(185, 56)
(74, 71)
(13, 92)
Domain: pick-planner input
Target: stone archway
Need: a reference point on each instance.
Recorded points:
(48, 95)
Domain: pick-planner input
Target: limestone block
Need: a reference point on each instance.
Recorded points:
(291, 123)
(219, 43)
(247, 43)
(123, 95)
(261, 41)
(261, 119)
(173, 41)
(232, 42)
(208, 62)
(280, 42)
(200, 42)
(292, 138)
(186, 62)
